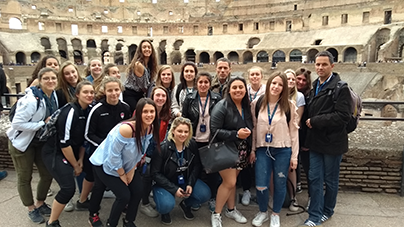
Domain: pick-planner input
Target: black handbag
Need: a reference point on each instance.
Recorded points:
(219, 156)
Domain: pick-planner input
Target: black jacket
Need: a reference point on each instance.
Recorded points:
(164, 166)
(226, 119)
(190, 107)
(328, 134)
(102, 118)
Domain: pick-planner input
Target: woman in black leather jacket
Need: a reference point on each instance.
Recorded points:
(232, 118)
(197, 107)
(176, 169)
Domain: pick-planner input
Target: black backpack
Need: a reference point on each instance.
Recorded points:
(14, 107)
(356, 105)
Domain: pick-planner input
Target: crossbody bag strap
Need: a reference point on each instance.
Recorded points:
(133, 128)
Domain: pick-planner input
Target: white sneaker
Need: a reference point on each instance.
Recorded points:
(246, 198)
(293, 205)
(216, 220)
(69, 206)
(260, 218)
(275, 222)
(148, 211)
(236, 215)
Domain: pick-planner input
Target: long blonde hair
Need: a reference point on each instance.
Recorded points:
(177, 122)
(292, 91)
(63, 84)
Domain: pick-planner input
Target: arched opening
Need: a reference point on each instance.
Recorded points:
(76, 43)
(63, 54)
(295, 56)
(91, 43)
(162, 52)
(46, 43)
(118, 58)
(118, 47)
(311, 55)
(177, 44)
(35, 56)
(104, 45)
(262, 56)
(247, 57)
(176, 57)
(132, 50)
(217, 55)
(233, 57)
(253, 41)
(20, 58)
(14, 23)
(78, 57)
(350, 55)
(278, 56)
(204, 58)
(401, 51)
(190, 55)
(381, 37)
(334, 53)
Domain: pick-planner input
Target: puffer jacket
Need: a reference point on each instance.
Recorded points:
(164, 166)
(27, 119)
(190, 108)
(328, 134)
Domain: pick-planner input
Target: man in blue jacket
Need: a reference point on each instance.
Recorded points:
(327, 138)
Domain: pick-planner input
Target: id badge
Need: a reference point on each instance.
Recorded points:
(202, 128)
(181, 180)
(268, 137)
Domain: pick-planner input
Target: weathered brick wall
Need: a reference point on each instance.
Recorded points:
(5, 159)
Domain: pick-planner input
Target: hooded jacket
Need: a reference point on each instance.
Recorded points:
(27, 119)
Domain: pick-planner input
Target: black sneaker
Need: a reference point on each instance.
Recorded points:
(127, 223)
(36, 216)
(53, 224)
(187, 211)
(45, 210)
(82, 206)
(166, 219)
(95, 221)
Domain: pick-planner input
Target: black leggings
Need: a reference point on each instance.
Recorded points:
(147, 187)
(125, 195)
(63, 173)
(131, 97)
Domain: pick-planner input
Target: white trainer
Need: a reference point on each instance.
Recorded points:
(69, 206)
(148, 210)
(246, 198)
(236, 215)
(260, 218)
(293, 205)
(275, 222)
(216, 220)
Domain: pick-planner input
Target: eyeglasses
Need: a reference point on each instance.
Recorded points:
(49, 78)
(183, 119)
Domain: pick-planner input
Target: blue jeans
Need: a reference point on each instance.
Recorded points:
(324, 168)
(268, 160)
(165, 201)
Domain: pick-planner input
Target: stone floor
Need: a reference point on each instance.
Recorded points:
(353, 209)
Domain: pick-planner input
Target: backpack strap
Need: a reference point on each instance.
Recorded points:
(337, 90)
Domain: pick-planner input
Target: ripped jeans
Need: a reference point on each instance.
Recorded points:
(276, 160)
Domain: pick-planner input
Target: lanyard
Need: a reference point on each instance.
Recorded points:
(144, 142)
(242, 113)
(180, 159)
(204, 107)
(271, 116)
(319, 87)
(255, 96)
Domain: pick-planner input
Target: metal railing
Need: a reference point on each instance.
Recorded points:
(8, 95)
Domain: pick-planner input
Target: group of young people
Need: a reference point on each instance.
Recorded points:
(144, 135)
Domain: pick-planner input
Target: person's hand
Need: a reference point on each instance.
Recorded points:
(180, 193)
(77, 170)
(80, 163)
(124, 179)
(304, 148)
(47, 119)
(188, 192)
(293, 164)
(179, 114)
(129, 176)
(252, 157)
(308, 123)
(243, 133)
